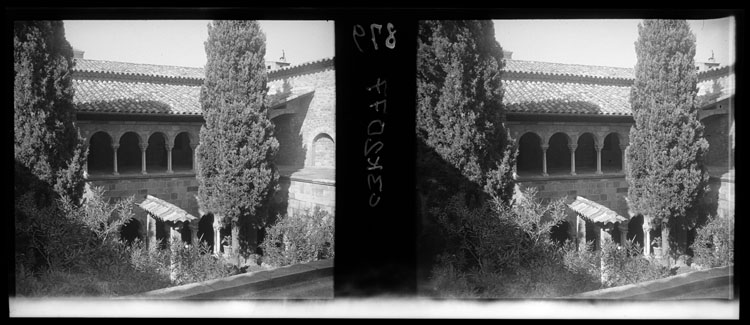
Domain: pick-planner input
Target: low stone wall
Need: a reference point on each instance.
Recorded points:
(692, 285)
(178, 189)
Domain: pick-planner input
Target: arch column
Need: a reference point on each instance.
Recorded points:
(598, 159)
(194, 156)
(646, 236)
(143, 158)
(115, 146)
(169, 158)
(572, 148)
(217, 236)
(544, 159)
(623, 149)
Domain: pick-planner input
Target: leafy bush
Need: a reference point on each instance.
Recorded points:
(299, 238)
(626, 265)
(497, 250)
(68, 250)
(714, 243)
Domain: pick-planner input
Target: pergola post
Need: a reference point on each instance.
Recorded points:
(623, 227)
(115, 146)
(175, 239)
(572, 148)
(581, 226)
(150, 231)
(603, 237)
(544, 159)
(194, 232)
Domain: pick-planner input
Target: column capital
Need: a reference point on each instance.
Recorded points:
(168, 146)
(143, 146)
(572, 147)
(193, 146)
(623, 147)
(598, 147)
(545, 147)
(115, 145)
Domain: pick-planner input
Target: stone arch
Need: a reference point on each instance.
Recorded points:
(529, 160)
(100, 159)
(586, 153)
(206, 230)
(131, 231)
(182, 152)
(129, 152)
(156, 152)
(323, 150)
(612, 153)
(558, 153)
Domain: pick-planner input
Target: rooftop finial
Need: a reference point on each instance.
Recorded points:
(283, 56)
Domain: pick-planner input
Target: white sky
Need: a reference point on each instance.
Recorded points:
(603, 42)
(181, 42)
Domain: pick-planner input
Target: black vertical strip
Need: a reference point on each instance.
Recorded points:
(375, 155)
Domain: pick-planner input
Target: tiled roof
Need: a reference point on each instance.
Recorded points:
(554, 88)
(549, 68)
(524, 96)
(115, 96)
(595, 212)
(138, 69)
(165, 211)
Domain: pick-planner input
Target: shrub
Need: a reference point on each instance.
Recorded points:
(714, 243)
(626, 265)
(68, 250)
(299, 238)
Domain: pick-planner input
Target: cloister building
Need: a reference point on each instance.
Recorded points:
(572, 125)
(142, 122)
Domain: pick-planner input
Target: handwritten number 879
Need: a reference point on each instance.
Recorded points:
(390, 41)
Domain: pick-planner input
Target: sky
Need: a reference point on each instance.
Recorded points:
(181, 42)
(603, 42)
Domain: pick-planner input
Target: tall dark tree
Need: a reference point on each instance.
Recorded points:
(237, 147)
(49, 152)
(666, 176)
(460, 114)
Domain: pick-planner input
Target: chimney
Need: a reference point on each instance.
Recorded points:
(77, 54)
(508, 55)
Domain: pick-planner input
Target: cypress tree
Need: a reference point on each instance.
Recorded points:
(237, 147)
(460, 114)
(666, 176)
(49, 152)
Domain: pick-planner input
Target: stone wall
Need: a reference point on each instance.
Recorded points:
(609, 191)
(319, 117)
(179, 190)
(304, 195)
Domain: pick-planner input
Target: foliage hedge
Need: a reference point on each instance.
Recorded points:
(300, 238)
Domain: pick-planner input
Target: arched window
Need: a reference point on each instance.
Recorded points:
(586, 154)
(611, 154)
(156, 153)
(558, 154)
(529, 161)
(100, 159)
(182, 154)
(129, 154)
(324, 151)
